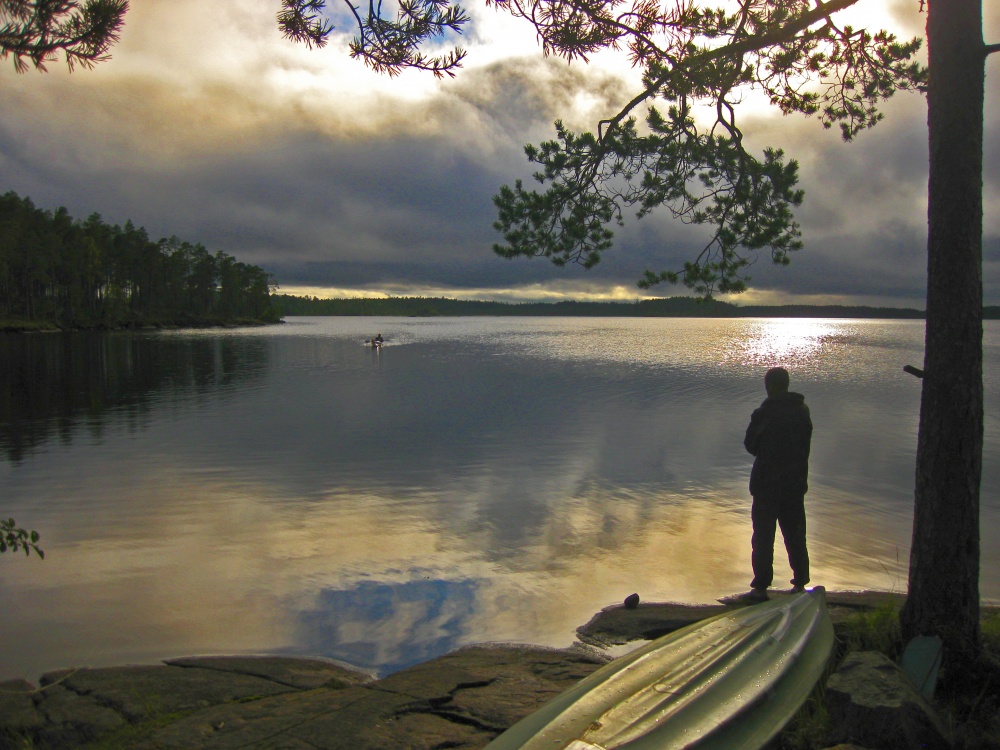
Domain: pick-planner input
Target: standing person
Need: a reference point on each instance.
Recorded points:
(779, 437)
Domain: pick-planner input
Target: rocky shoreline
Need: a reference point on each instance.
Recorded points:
(161, 324)
(460, 700)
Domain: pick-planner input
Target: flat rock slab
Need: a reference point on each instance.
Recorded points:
(17, 709)
(301, 674)
(618, 625)
(284, 721)
(460, 700)
(75, 706)
(141, 692)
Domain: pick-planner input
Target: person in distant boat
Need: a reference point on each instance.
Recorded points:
(779, 438)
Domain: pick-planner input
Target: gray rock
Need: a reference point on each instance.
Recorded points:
(76, 706)
(460, 700)
(873, 704)
(301, 674)
(620, 624)
(143, 692)
(493, 686)
(18, 715)
(71, 718)
(278, 721)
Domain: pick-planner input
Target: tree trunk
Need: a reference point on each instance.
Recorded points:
(944, 559)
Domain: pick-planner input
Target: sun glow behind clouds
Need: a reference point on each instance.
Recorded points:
(529, 293)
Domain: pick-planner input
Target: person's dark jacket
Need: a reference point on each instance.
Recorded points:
(778, 437)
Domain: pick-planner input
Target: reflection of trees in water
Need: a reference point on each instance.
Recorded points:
(53, 383)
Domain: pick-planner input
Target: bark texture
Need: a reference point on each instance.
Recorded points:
(944, 559)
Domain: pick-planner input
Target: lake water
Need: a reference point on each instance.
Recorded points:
(288, 490)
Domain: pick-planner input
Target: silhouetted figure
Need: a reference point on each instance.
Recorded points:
(779, 436)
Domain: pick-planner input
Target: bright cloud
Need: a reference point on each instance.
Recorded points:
(208, 125)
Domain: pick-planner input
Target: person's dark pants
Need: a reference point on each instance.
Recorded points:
(788, 512)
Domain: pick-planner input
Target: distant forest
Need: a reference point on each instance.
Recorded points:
(55, 270)
(678, 307)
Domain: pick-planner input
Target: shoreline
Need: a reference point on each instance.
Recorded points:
(27, 327)
(461, 699)
(609, 629)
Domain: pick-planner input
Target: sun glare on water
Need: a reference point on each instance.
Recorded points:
(785, 341)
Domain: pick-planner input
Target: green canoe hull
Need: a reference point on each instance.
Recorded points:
(730, 682)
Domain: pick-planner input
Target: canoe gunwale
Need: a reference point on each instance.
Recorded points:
(730, 681)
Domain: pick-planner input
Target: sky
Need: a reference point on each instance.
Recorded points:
(208, 125)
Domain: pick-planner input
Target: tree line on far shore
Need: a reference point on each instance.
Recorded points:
(679, 307)
(59, 271)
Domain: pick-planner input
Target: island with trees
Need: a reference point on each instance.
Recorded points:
(57, 272)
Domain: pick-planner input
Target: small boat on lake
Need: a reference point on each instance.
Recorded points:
(730, 682)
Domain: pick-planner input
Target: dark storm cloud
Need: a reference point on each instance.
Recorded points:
(362, 211)
(377, 188)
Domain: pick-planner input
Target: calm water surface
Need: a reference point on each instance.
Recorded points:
(288, 490)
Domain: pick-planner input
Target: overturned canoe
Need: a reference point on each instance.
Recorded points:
(729, 682)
